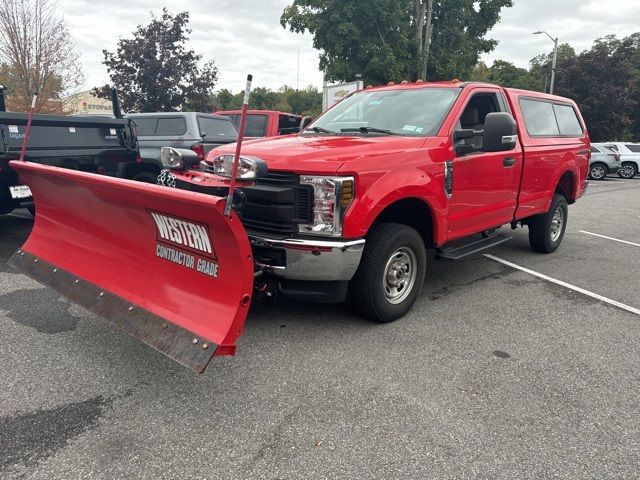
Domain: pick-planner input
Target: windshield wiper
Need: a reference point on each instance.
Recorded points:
(364, 129)
(319, 130)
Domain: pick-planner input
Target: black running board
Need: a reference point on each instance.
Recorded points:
(458, 253)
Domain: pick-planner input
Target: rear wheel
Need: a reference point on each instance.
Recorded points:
(628, 170)
(391, 273)
(598, 171)
(547, 229)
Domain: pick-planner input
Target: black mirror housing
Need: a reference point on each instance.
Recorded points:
(500, 132)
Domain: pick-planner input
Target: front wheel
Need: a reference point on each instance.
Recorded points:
(391, 273)
(547, 229)
(628, 170)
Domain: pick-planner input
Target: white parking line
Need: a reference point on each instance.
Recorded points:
(610, 238)
(615, 303)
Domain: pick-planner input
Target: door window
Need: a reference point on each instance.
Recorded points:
(474, 115)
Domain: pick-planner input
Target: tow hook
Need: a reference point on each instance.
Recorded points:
(266, 290)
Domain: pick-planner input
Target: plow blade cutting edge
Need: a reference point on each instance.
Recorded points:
(164, 265)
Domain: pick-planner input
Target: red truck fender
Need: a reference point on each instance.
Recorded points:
(399, 186)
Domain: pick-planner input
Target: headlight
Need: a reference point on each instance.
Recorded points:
(249, 168)
(331, 198)
(178, 158)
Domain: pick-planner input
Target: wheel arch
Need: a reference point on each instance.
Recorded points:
(413, 212)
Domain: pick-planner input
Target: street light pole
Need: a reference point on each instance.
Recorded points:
(555, 57)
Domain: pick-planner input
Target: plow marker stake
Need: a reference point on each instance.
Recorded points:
(164, 265)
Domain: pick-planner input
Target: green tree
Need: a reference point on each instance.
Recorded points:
(540, 65)
(155, 72)
(507, 74)
(385, 40)
(600, 80)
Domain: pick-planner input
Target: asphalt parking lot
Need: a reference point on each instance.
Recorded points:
(496, 373)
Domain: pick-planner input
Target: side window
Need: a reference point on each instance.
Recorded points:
(539, 117)
(635, 148)
(145, 125)
(613, 147)
(595, 150)
(568, 122)
(256, 126)
(288, 124)
(217, 127)
(171, 126)
(474, 114)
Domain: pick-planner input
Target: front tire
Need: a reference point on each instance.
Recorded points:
(598, 171)
(628, 170)
(391, 273)
(547, 229)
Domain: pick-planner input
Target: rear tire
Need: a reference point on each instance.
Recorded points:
(146, 177)
(628, 170)
(598, 171)
(391, 273)
(547, 229)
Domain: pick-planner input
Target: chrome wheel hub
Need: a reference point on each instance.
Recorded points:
(556, 224)
(399, 275)
(598, 172)
(626, 171)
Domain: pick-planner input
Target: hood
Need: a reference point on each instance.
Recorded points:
(321, 154)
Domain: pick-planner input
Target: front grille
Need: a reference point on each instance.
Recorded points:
(276, 204)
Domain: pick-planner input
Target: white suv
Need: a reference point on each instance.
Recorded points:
(629, 155)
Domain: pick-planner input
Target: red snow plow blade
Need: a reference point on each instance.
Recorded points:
(164, 265)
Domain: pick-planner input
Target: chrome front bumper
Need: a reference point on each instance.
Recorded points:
(320, 260)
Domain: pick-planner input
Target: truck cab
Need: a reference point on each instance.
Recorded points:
(266, 123)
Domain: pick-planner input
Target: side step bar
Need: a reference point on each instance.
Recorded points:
(457, 253)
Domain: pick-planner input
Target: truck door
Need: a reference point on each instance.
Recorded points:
(485, 184)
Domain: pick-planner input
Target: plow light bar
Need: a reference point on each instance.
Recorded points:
(249, 168)
(178, 158)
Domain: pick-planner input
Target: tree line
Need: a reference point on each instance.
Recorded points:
(375, 40)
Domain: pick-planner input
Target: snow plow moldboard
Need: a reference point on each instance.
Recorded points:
(164, 265)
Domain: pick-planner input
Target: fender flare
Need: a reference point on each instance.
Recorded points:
(393, 187)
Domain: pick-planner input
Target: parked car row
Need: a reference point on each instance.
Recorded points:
(614, 157)
(201, 132)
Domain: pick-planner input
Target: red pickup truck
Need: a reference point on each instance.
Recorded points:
(347, 209)
(266, 123)
(349, 206)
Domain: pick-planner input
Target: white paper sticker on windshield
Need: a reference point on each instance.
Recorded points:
(409, 128)
(13, 129)
(419, 130)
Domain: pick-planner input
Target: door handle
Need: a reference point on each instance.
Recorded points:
(509, 161)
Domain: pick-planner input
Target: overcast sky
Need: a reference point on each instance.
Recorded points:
(245, 36)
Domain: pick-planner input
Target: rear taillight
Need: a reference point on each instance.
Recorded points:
(198, 148)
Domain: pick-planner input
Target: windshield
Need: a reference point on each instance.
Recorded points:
(412, 112)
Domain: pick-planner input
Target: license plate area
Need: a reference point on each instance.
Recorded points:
(20, 191)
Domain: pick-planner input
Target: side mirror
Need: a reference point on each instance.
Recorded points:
(178, 158)
(500, 132)
(305, 121)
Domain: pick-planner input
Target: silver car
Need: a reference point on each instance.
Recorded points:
(629, 155)
(603, 161)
